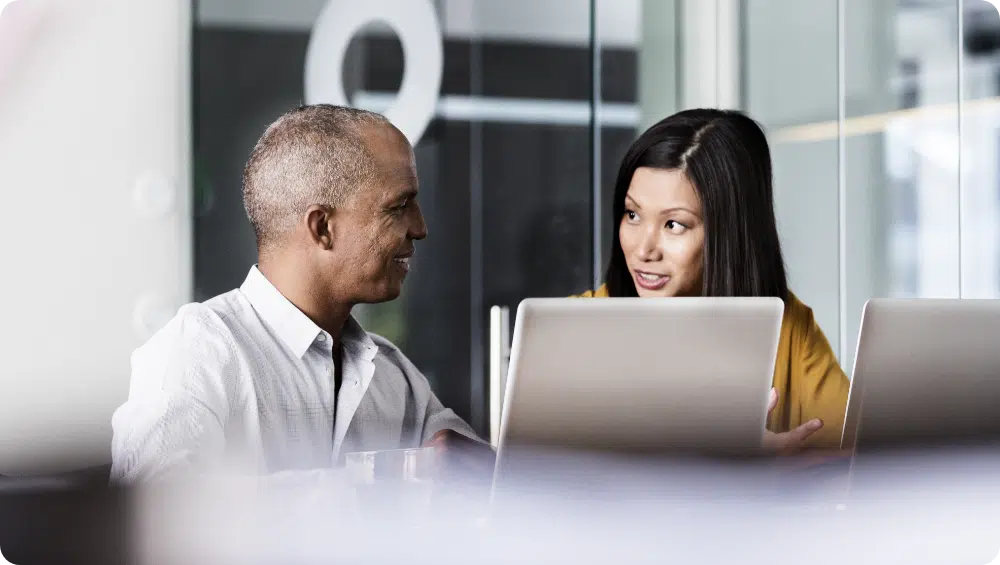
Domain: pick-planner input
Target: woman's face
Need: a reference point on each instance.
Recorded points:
(663, 234)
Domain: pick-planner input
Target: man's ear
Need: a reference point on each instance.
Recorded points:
(319, 221)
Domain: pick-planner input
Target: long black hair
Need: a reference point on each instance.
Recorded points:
(725, 156)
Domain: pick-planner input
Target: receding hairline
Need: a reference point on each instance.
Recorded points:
(369, 135)
(309, 155)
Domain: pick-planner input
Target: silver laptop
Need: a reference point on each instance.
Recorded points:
(640, 375)
(926, 371)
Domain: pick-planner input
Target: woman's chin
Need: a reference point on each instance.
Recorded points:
(664, 292)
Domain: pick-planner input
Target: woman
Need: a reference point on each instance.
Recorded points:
(693, 216)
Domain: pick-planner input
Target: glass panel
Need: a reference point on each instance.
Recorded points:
(529, 151)
(901, 162)
(637, 47)
(790, 86)
(868, 206)
(980, 213)
(504, 164)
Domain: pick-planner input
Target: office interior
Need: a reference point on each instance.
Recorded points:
(125, 127)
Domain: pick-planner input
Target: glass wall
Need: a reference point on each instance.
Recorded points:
(882, 117)
(789, 76)
(505, 161)
(883, 120)
(979, 178)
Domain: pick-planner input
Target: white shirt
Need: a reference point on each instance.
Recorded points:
(247, 379)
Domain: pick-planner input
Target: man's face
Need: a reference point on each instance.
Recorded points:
(378, 225)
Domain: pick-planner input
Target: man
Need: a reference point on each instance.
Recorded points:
(277, 375)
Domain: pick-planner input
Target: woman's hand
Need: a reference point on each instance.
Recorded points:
(791, 441)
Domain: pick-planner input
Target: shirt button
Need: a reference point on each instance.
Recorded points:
(321, 338)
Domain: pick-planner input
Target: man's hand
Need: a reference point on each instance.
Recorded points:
(459, 457)
(791, 441)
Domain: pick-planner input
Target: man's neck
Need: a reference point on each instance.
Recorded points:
(303, 289)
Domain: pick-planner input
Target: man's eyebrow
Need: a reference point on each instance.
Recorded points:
(406, 194)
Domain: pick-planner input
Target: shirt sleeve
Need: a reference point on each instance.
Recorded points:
(177, 403)
(432, 416)
(438, 418)
(823, 386)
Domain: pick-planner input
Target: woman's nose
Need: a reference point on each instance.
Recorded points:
(649, 247)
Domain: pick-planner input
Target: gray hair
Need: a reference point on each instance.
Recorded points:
(311, 155)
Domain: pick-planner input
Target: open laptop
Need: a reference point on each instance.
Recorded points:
(639, 375)
(926, 372)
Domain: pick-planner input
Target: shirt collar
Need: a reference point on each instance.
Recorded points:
(293, 327)
(355, 337)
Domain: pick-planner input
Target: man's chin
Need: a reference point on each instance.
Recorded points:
(389, 294)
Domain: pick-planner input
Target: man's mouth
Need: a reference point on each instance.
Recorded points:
(651, 281)
(403, 260)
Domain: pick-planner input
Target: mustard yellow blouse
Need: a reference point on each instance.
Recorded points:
(809, 381)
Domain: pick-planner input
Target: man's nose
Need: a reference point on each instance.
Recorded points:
(418, 227)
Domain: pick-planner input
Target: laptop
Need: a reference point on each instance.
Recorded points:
(645, 376)
(926, 373)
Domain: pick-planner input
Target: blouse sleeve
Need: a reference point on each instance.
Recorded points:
(822, 384)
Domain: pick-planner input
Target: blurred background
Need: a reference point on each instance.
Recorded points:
(124, 127)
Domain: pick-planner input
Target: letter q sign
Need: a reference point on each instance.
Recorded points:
(416, 24)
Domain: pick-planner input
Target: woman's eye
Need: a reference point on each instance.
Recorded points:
(675, 227)
(632, 216)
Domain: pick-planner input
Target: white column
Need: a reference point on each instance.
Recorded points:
(710, 58)
(95, 230)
